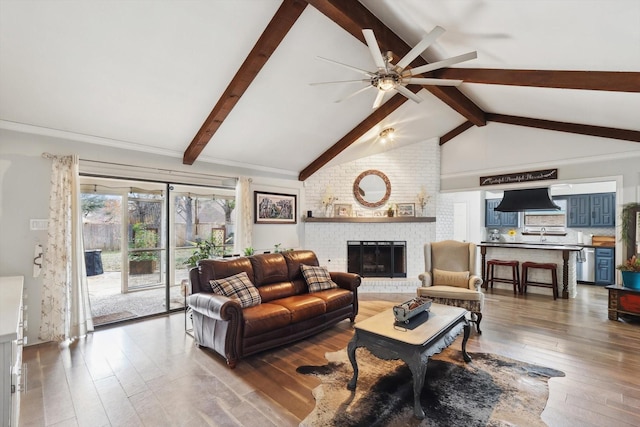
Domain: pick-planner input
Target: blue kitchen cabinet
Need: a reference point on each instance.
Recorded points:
(605, 272)
(591, 210)
(578, 211)
(603, 209)
(494, 218)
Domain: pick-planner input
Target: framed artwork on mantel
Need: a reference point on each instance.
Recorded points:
(342, 210)
(406, 209)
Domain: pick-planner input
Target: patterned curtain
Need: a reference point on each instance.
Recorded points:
(66, 312)
(243, 215)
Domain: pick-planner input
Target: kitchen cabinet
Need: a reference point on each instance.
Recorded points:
(591, 210)
(494, 218)
(605, 272)
(11, 341)
(603, 209)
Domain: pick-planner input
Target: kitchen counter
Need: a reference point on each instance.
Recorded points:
(564, 255)
(530, 245)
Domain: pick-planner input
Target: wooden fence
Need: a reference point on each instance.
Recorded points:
(107, 236)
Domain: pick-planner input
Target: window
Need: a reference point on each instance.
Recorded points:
(551, 220)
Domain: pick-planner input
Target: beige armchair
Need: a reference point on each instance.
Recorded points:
(451, 277)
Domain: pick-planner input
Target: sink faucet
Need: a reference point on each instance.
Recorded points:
(542, 231)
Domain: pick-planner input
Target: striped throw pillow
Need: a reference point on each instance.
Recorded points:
(317, 278)
(237, 287)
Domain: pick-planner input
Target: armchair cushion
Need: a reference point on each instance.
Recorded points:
(458, 279)
(237, 287)
(317, 278)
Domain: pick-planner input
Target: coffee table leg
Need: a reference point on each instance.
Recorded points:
(418, 370)
(467, 329)
(351, 351)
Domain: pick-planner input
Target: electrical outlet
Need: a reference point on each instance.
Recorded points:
(39, 224)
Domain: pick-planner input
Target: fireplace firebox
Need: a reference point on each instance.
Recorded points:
(375, 258)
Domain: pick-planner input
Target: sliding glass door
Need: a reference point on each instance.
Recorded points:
(139, 237)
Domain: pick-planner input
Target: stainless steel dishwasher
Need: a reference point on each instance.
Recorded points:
(587, 266)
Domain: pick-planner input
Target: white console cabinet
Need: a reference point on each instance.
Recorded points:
(11, 342)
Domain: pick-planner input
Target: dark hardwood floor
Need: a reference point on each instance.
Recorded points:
(150, 373)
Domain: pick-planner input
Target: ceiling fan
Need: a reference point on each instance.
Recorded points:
(389, 77)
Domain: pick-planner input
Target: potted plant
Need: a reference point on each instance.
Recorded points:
(390, 210)
(249, 251)
(142, 261)
(205, 249)
(630, 270)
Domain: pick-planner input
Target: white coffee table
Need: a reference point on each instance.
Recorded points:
(412, 344)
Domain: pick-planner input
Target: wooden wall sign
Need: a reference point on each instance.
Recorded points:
(512, 178)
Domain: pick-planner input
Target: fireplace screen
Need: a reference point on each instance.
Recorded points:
(373, 258)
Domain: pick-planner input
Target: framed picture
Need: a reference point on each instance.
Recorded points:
(342, 209)
(406, 209)
(274, 208)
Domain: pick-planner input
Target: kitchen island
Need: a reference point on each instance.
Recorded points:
(563, 255)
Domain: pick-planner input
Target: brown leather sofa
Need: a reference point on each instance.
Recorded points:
(288, 312)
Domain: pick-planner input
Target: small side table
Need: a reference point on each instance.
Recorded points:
(623, 301)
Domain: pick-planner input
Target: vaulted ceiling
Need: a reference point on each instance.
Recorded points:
(228, 82)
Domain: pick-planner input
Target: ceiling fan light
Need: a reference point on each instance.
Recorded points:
(386, 84)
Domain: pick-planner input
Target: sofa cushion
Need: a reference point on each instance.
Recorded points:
(302, 307)
(269, 268)
(317, 278)
(239, 287)
(264, 318)
(335, 298)
(295, 259)
(451, 278)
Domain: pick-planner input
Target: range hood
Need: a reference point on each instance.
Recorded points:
(528, 199)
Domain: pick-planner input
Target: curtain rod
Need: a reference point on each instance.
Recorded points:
(154, 169)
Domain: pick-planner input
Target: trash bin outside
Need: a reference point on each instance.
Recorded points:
(93, 262)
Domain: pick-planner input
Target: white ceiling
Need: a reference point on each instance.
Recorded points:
(144, 75)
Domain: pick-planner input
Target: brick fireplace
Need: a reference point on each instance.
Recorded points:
(329, 241)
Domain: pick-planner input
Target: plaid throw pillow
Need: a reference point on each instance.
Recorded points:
(238, 287)
(317, 278)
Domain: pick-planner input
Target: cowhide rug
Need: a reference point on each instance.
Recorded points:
(490, 391)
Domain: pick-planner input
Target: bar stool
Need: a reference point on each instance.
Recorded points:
(544, 266)
(515, 274)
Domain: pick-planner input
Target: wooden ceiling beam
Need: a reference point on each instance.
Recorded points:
(615, 81)
(455, 132)
(287, 14)
(600, 131)
(363, 127)
(353, 17)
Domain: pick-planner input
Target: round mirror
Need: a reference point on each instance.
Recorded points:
(372, 188)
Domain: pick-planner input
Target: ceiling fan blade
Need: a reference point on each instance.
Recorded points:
(444, 63)
(379, 98)
(354, 93)
(340, 81)
(357, 70)
(419, 48)
(432, 82)
(370, 38)
(406, 92)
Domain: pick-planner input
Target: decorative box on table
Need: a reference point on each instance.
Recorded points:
(411, 308)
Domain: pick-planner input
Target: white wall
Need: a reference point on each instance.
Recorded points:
(24, 195)
(499, 148)
(408, 168)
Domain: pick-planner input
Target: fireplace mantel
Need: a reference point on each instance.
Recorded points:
(382, 219)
